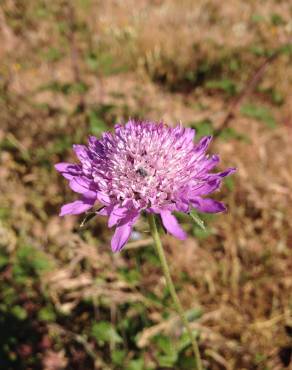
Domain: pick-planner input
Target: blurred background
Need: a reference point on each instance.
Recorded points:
(73, 68)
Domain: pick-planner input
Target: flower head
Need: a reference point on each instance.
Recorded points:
(143, 166)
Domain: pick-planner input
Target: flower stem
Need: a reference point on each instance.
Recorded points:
(170, 285)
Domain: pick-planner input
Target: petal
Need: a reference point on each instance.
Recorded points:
(79, 184)
(103, 198)
(123, 230)
(121, 236)
(206, 187)
(190, 133)
(171, 225)
(182, 205)
(68, 170)
(105, 211)
(117, 214)
(208, 205)
(90, 195)
(203, 144)
(81, 152)
(210, 163)
(77, 207)
(94, 145)
(227, 172)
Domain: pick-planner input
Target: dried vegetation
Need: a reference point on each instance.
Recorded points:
(70, 68)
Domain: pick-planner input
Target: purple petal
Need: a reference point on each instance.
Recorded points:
(203, 144)
(211, 162)
(77, 207)
(117, 214)
(171, 225)
(189, 134)
(227, 172)
(105, 211)
(80, 184)
(207, 187)
(208, 205)
(81, 152)
(182, 205)
(94, 145)
(68, 170)
(103, 198)
(121, 236)
(123, 230)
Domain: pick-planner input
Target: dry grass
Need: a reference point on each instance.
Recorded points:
(143, 59)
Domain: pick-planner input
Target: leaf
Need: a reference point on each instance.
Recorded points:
(96, 123)
(47, 314)
(130, 276)
(225, 85)
(136, 365)
(229, 182)
(203, 128)
(4, 260)
(118, 357)
(229, 133)
(194, 314)
(277, 20)
(19, 312)
(89, 216)
(31, 261)
(257, 18)
(166, 352)
(260, 113)
(197, 219)
(184, 340)
(53, 55)
(104, 332)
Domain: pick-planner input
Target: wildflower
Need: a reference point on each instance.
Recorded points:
(143, 166)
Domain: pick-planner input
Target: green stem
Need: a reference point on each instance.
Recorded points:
(176, 301)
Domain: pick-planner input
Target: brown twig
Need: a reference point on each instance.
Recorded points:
(249, 87)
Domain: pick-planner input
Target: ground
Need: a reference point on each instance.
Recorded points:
(73, 68)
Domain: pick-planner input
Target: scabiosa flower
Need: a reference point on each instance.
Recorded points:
(143, 166)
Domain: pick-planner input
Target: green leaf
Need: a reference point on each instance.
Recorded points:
(19, 312)
(96, 123)
(31, 260)
(89, 216)
(4, 260)
(136, 364)
(260, 113)
(53, 55)
(197, 219)
(130, 276)
(229, 133)
(184, 340)
(201, 234)
(225, 85)
(277, 20)
(167, 354)
(164, 344)
(92, 61)
(104, 332)
(286, 49)
(277, 97)
(203, 128)
(118, 357)
(167, 360)
(4, 213)
(194, 314)
(47, 314)
(229, 182)
(257, 18)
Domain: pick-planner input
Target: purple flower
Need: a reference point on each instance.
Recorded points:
(143, 166)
